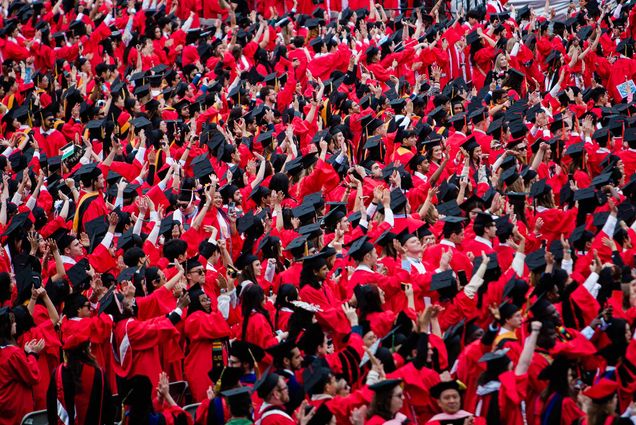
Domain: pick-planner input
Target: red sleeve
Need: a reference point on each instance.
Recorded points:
(25, 367)
(206, 326)
(260, 332)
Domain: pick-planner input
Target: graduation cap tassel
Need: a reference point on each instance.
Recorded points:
(258, 370)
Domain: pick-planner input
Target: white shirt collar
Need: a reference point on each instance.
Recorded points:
(67, 259)
(447, 243)
(364, 267)
(483, 240)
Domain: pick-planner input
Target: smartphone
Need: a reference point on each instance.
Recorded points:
(231, 208)
(461, 276)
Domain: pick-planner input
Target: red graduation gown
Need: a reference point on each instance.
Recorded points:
(509, 397)
(92, 405)
(331, 315)
(18, 374)
(202, 329)
(259, 331)
(137, 346)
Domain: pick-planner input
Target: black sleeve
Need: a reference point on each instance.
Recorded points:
(108, 415)
(618, 260)
(350, 77)
(174, 318)
(151, 175)
(51, 401)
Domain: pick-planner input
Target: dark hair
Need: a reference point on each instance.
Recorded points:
(76, 359)
(286, 293)
(251, 300)
(247, 273)
(240, 407)
(5, 329)
(133, 255)
(23, 320)
(381, 404)
(151, 275)
(73, 303)
(174, 248)
(370, 302)
(308, 272)
(479, 229)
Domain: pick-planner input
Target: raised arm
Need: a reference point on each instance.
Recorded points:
(528, 349)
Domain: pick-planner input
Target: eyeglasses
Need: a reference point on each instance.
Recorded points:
(281, 389)
(200, 271)
(183, 206)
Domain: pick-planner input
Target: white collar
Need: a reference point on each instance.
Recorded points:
(420, 175)
(67, 259)
(364, 267)
(447, 243)
(483, 240)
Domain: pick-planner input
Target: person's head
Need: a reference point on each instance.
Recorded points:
(364, 253)
(273, 390)
(77, 305)
(155, 278)
(387, 400)
(448, 396)
(239, 402)
(252, 297)
(93, 181)
(195, 272)
(420, 163)
(70, 246)
(485, 226)
(501, 61)
(369, 299)
(511, 317)
(175, 250)
(497, 362)
(138, 398)
(604, 400)
(134, 257)
(268, 95)
(287, 294)
(412, 246)
(453, 232)
(199, 300)
(7, 326)
(314, 271)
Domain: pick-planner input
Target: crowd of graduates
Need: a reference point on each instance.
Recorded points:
(308, 212)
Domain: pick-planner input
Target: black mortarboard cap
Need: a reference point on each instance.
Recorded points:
(536, 260)
(96, 229)
(385, 385)
(472, 37)
(359, 248)
(449, 208)
(442, 280)
(78, 276)
(201, 166)
(539, 188)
